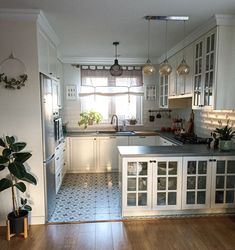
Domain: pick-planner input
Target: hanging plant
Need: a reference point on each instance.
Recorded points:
(13, 83)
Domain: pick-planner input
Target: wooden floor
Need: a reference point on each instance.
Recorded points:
(215, 233)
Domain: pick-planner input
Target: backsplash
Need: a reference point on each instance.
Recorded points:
(206, 121)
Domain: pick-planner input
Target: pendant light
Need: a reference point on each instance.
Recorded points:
(116, 69)
(165, 68)
(148, 68)
(183, 68)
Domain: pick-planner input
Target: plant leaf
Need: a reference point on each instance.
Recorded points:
(6, 152)
(18, 146)
(3, 160)
(10, 139)
(5, 183)
(21, 186)
(29, 178)
(27, 207)
(2, 167)
(17, 169)
(22, 157)
(2, 143)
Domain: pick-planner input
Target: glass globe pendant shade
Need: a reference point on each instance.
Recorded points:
(183, 68)
(165, 68)
(148, 68)
(116, 69)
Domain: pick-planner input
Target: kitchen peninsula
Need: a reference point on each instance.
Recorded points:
(176, 180)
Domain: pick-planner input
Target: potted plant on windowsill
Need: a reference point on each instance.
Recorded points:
(13, 160)
(225, 134)
(89, 118)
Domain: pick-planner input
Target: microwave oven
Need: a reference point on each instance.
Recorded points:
(58, 129)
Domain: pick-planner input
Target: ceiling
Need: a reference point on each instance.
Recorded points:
(87, 28)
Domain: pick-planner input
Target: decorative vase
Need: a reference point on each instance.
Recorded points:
(225, 145)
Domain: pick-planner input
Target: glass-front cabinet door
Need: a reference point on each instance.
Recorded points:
(136, 184)
(167, 183)
(196, 183)
(223, 183)
(163, 96)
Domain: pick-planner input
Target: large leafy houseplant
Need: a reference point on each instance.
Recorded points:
(88, 118)
(13, 159)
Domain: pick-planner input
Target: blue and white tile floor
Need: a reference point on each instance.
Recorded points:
(88, 197)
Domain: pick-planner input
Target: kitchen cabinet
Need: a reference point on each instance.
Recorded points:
(214, 53)
(181, 86)
(167, 173)
(163, 92)
(196, 183)
(59, 164)
(95, 154)
(83, 154)
(223, 182)
(56, 95)
(137, 184)
(143, 140)
(47, 55)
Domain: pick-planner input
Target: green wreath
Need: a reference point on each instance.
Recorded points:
(13, 83)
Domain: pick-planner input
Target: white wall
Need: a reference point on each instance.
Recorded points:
(71, 108)
(20, 110)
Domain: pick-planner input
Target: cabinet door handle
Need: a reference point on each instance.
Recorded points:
(152, 161)
(57, 158)
(64, 150)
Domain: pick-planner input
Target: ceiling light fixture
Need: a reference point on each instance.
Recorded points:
(165, 68)
(148, 68)
(183, 68)
(116, 69)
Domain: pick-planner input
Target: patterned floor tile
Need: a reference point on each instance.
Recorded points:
(88, 197)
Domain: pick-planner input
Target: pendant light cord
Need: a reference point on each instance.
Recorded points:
(166, 41)
(116, 51)
(148, 36)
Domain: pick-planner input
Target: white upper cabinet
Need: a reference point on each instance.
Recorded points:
(214, 74)
(163, 96)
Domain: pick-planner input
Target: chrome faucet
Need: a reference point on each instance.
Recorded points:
(116, 128)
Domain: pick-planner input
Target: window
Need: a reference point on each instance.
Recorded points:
(112, 95)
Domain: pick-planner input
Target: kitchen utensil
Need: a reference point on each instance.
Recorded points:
(151, 117)
(158, 115)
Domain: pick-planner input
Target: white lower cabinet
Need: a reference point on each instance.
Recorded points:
(196, 182)
(159, 185)
(95, 154)
(167, 173)
(223, 182)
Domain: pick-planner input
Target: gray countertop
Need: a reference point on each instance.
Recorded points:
(184, 150)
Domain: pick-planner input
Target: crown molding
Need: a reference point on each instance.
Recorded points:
(103, 60)
(217, 19)
(16, 14)
(47, 29)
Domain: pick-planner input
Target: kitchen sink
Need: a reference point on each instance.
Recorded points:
(108, 132)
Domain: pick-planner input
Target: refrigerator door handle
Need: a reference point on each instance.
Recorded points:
(50, 159)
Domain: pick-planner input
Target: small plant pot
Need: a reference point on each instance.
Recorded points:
(90, 122)
(133, 122)
(17, 223)
(225, 145)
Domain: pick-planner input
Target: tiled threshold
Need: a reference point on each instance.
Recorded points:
(88, 198)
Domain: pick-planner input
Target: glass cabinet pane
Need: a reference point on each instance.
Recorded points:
(201, 182)
(161, 199)
(201, 197)
(172, 198)
(172, 169)
(131, 184)
(161, 168)
(230, 196)
(142, 184)
(142, 199)
(231, 167)
(230, 181)
(191, 182)
(220, 167)
(143, 168)
(191, 167)
(161, 183)
(132, 168)
(190, 199)
(220, 182)
(172, 183)
(219, 196)
(131, 199)
(202, 167)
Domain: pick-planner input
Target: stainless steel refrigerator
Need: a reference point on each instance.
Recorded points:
(48, 144)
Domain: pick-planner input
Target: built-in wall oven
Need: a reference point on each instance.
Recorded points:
(58, 129)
